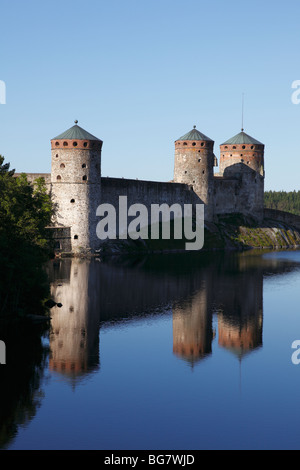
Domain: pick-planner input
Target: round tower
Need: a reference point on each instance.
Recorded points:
(242, 158)
(194, 162)
(76, 184)
(242, 148)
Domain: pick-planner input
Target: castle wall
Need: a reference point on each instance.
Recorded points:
(146, 193)
(283, 217)
(31, 177)
(61, 238)
(242, 193)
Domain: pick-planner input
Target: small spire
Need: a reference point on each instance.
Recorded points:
(243, 112)
(194, 127)
(76, 122)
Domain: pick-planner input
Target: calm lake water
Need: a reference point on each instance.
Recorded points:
(167, 352)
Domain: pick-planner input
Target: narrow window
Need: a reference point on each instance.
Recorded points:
(83, 165)
(62, 165)
(75, 237)
(84, 178)
(72, 201)
(58, 177)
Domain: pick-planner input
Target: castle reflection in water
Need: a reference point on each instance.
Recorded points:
(212, 298)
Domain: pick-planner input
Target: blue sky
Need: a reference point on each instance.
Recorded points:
(140, 74)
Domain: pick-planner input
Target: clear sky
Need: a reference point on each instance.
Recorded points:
(140, 74)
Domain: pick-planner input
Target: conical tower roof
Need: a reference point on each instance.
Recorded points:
(76, 133)
(194, 134)
(242, 138)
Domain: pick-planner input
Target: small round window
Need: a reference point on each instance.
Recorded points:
(65, 144)
(75, 144)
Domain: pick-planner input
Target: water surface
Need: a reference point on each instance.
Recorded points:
(167, 352)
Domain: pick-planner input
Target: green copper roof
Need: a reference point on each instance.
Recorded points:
(194, 135)
(75, 132)
(242, 138)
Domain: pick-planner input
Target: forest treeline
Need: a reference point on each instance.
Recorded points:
(25, 212)
(283, 201)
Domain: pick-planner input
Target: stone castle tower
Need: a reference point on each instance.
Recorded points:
(242, 148)
(194, 162)
(76, 184)
(242, 157)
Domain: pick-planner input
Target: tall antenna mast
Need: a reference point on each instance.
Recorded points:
(243, 112)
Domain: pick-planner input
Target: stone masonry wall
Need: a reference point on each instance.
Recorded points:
(193, 165)
(242, 193)
(146, 192)
(283, 217)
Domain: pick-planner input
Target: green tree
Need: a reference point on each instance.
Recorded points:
(25, 211)
(283, 201)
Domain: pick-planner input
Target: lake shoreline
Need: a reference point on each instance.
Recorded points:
(229, 233)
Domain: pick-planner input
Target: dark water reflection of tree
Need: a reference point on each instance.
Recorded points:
(20, 378)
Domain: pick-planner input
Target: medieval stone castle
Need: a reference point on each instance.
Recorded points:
(77, 187)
